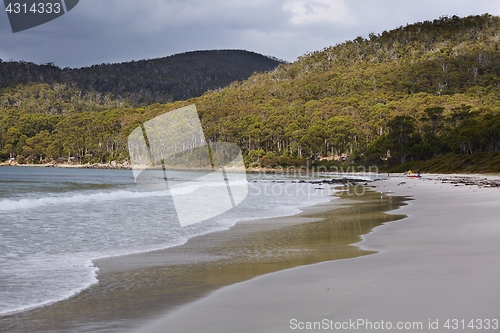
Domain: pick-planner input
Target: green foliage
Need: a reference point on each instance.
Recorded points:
(177, 77)
(480, 162)
(412, 94)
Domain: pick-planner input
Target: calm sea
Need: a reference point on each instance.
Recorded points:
(55, 221)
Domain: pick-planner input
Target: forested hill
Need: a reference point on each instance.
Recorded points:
(411, 94)
(177, 77)
(397, 98)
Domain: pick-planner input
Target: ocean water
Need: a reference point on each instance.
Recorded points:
(55, 222)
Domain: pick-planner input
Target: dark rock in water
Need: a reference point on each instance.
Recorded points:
(471, 181)
(345, 180)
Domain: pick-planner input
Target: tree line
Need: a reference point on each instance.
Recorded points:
(177, 77)
(415, 93)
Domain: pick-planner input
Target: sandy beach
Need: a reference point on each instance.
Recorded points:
(436, 270)
(135, 289)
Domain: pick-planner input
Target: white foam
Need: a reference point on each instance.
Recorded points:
(23, 204)
(75, 274)
(33, 279)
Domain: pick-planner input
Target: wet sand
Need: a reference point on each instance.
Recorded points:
(133, 290)
(441, 263)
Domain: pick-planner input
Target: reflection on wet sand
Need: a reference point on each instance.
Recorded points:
(136, 288)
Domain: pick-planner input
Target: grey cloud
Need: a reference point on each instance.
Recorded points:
(99, 31)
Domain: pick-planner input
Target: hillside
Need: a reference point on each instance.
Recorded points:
(177, 77)
(416, 93)
(413, 93)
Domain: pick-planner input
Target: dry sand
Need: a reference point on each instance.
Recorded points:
(440, 263)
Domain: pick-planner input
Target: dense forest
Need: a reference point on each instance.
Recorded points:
(425, 95)
(180, 76)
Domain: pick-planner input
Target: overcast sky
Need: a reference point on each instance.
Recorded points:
(108, 31)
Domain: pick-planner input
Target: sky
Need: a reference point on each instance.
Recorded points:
(110, 31)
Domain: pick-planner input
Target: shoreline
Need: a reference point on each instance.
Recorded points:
(114, 165)
(460, 177)
(149, 271)
(110, 166)
(439, 263)
(306, 219)
(125, 166)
